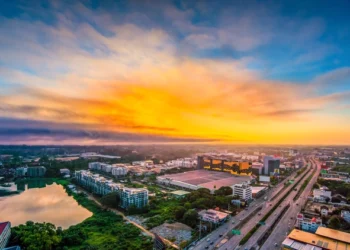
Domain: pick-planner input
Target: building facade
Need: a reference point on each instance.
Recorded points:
(137, 197)
(244, 191)
(308, 225)
(5, 233)
(224, 164)
(96, 183)
(36, 171)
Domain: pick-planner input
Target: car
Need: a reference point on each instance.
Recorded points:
(211, 243)
(259, 213)
(233, 222)
(276, 244)
(208, 239)
(207, 247)
(220, 235)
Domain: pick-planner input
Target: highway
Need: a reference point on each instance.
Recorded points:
(283, 228)
(253, 220)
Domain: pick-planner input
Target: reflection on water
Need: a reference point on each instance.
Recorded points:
(40, 202)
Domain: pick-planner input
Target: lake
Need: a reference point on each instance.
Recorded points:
(40, 202)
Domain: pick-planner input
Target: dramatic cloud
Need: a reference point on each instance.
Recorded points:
(156, 75)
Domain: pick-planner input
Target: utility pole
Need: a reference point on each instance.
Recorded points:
(200, 228)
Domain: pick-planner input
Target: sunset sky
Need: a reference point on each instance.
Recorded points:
(108, 72)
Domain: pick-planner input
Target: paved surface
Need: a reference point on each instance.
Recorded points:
(286, 224)
(252, 242)
(227, 227)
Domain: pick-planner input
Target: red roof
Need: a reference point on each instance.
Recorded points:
(2, 226)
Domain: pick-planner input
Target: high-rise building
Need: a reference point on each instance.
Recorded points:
(271, 165)
(36, 171)
(5, 233)
(137, 197)
(244, 191)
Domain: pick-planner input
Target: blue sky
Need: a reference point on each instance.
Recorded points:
(67, 50)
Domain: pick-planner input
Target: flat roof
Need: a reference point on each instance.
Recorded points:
(207, 179)
(333, 234)
(317, 240)
(180, 192)
(257, 189)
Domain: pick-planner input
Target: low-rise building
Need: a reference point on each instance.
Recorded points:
(213, 216)
(244, 191)
(5, 233)
(179, 194)
(308, 225)
(137, 197)
(345, 214)
(322, 194)
(324, 211)
(64, 171)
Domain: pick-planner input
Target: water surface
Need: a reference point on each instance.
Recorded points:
(46, 203)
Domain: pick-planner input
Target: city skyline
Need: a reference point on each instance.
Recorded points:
(103, 72)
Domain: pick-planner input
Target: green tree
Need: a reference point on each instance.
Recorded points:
(191, 218)
(334, 222)
(35, 236)
(111, 200)
(179, 212)
(223, 191)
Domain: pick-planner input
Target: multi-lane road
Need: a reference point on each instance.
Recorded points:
(212, 241)
(286, 224)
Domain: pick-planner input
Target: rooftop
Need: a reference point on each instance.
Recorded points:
(180, 192)
(318, 240)
(2, 226)
(333, 234)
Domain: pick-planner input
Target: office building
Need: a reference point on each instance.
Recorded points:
(213, 216)
(271, 165)
(322, 239)
(137, 197)
(36, 171)
(224, 164)
(244, 191)
(5, 233)
(257, 168)
(308, 225)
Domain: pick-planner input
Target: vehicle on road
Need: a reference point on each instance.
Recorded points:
(276, 244)
(220, 235)
(233, 222)
(207, 247)
(259, 213)
(208, 239)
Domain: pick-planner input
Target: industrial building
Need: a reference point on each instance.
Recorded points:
(322, 239)
(193, 180)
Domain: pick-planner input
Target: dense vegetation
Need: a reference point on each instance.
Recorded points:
(336, 187)
(184, 210)
(342, 168)
(104, 230)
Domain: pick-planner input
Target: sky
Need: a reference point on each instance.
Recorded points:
(109, 72)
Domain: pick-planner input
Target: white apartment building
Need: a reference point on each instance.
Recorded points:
(345, 215)
(137, 197)
(322, 194)
(96, 183)
(143, 163)
(119, 171)
(5, 233)
(244, 191)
